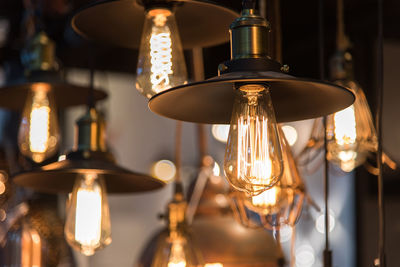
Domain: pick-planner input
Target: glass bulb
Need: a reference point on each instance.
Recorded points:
(38, 136)
(351, 132)
(253, 160)
(161, 63)
(88, 226)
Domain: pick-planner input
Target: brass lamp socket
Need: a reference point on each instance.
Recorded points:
(39, 54)
(249, 36)
(90, 132)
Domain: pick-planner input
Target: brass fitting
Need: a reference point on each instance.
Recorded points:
(249, 36)
(90, 132)
(39, 54)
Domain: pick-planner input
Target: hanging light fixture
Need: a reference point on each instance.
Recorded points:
(247, 83)
(175, 248)
(87, 171)
(162, 24)
(40, 98)
(213, 227)
(351, 133)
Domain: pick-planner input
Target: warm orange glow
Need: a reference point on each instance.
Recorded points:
(177, 257)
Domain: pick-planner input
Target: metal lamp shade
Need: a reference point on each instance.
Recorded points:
(120, 22)
(59, 177)
(211, 101)
(13, 97)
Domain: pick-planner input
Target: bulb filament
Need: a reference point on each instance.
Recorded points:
(161, 54)
(39, 121)
(88, 215)
(254, 163)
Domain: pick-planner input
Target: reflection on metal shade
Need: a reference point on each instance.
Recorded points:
(121, 22)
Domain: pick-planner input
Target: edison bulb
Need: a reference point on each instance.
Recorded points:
(161, 62)
(351, 132)
(253, 160)
(38, 135)
(88, 226)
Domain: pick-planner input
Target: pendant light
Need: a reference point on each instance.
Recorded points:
(89, 172)
(246, 84)
(176, 247)
(39, 99)
(220, 239)
(351, 133)
(159, 25)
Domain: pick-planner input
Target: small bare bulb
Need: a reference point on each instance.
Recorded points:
(253, 160)
(38, 136)
(161, 63)
(88, 226)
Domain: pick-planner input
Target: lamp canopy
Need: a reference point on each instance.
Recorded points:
(90, 156)
(211, 101)
(120, 22)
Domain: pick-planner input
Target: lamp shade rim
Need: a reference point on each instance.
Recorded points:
(59, 177)
(211, 101)
(120, 22)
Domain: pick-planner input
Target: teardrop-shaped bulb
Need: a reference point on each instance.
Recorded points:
(38, 136)
(161, 63)
(253, 160)
(88, 226)
(350, 132)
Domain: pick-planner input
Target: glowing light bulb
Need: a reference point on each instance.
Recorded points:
(253, 160)
(351, 133)
(38, 135)
(161, 62)
(177, 257)
(214, 265)
(88, 226)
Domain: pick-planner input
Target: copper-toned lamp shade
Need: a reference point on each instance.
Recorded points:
(59, 177)
(120, 22)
